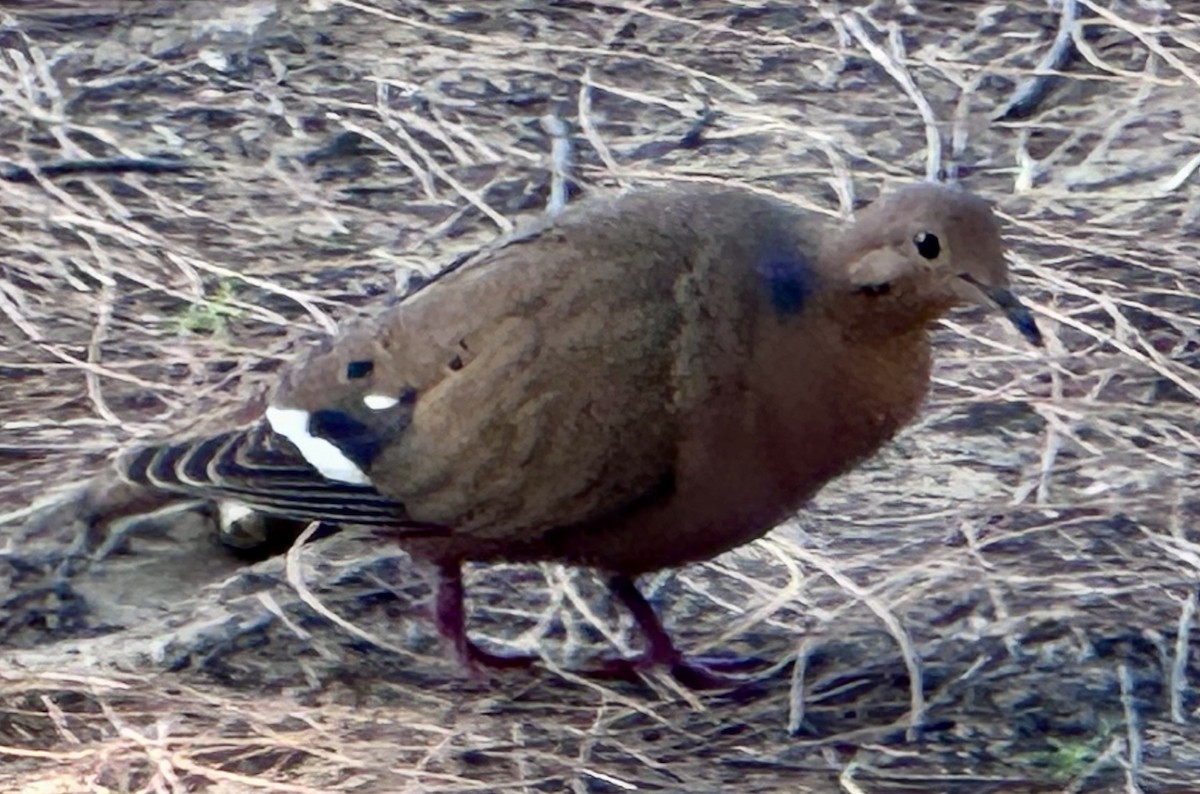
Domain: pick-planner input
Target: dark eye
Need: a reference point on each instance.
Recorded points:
(875, 290)
(927, 245)
(359, 369)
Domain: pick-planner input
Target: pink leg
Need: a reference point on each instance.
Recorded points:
(451, 619)
(450, 615)
(661, 651)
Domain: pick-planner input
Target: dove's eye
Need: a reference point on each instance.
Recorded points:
(927, 244)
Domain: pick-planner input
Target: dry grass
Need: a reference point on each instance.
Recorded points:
(1003, 601)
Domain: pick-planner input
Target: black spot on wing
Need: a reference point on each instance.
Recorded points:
(359, 369)
(357, 440)
(361, 433)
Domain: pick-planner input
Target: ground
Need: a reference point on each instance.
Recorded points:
(1002, 601)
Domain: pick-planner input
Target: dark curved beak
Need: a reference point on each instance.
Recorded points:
(1017, 313)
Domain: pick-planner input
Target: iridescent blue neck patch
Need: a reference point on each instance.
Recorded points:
(788, 278)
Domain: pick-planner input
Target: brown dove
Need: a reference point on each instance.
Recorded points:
(640, 382)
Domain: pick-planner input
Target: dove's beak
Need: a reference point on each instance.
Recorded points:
(1016, 312)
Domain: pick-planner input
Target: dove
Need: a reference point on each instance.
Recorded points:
(640, 382)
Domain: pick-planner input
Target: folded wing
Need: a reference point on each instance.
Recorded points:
(264, 471)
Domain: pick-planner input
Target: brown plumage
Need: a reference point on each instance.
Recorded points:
(642, 382)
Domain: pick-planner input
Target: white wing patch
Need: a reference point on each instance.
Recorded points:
(380, 402)
(292, 424)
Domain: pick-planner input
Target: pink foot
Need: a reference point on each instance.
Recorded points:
(661, 651)
(450, 616)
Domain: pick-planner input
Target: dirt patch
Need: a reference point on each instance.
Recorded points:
(1003, 601)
